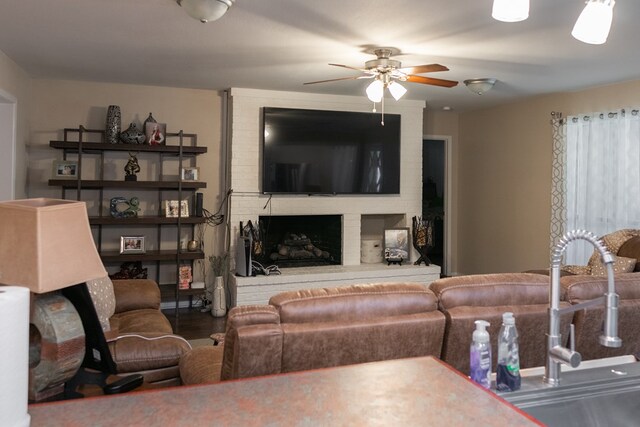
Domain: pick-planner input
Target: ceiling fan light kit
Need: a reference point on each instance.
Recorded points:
(510, 10)
(375, 91)
(206, 10)
(387, 73)
(593, 24)
(480, 86)
(397, 90)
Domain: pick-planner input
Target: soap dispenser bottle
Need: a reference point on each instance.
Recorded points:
(480, 355)
(508, 371)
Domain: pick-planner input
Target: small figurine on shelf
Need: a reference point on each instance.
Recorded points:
(131, 168)
(422, 238)
(130, 270)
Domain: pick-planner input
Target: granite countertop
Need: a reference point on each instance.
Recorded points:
(406, 392)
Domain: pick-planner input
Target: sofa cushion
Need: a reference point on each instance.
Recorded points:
(620, 265)
(489, 290)
(465, 299)
(104, 299)
(631, 249)
(319, 344)
(141, 321)
(354, 302)
(147, 351)
(133, 294)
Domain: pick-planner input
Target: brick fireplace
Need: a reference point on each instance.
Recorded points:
(361, 216)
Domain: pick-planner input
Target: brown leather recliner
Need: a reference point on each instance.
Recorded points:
(141, 339)
(319, 328)
(465, 299)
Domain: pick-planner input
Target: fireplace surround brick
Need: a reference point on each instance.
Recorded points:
(247, 202)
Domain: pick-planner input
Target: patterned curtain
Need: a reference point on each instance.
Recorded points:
(558, 183)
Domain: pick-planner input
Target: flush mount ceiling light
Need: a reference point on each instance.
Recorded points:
(510, 10)
(206, 10)
(592, 26)
(479, 86)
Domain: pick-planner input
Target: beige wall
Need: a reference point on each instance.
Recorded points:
(69, 104)
(501, 156)
(15, 83)
(504, 177)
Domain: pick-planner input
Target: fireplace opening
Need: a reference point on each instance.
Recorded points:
(301, 240)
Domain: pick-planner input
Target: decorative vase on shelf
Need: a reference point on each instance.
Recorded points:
(219, 308)
(113, 124)
(149, 119)
(132, 135)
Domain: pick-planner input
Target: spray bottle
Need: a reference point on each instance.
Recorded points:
(480, 355)
(508, 372)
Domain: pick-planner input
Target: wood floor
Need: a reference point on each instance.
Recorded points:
(193, 324)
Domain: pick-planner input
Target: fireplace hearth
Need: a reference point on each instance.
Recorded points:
(301, 240)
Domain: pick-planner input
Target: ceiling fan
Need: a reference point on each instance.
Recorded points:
(387, 72)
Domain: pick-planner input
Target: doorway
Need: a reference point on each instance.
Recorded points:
(7, 146)
(436, 196)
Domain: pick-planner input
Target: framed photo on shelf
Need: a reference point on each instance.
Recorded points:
(132, 245)
(396, 244)
(65, 169)
(155, 133)
(190, 174)
(175, 208)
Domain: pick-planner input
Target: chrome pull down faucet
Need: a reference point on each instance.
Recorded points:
(556, 353)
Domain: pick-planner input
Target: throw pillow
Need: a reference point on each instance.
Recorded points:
(620, 265)
(613, 242)
(104, 300)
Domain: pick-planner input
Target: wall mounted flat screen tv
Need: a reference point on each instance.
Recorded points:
(329, 152)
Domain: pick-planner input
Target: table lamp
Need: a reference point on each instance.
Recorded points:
(45, 245)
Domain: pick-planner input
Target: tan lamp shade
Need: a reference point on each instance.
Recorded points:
(46, 244)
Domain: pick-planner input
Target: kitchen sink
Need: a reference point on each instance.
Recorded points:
(602, 396)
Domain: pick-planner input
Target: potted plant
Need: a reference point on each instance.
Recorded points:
(219, 268)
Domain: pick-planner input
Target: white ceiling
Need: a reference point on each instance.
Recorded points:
(280, 44)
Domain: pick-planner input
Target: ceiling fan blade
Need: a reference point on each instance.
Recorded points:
(335, 80)
(419, 69)
(349, 67)
(431, 81)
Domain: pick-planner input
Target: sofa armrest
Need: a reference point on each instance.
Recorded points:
(135, 294)
(252, 343)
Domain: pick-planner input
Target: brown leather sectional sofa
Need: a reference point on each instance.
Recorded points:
(362, 323)
(319, 328)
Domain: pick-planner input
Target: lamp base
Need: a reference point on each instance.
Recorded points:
(56, 345)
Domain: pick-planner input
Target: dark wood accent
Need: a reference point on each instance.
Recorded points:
(163, 255)
(88, 147)
(96, 183)
(144, 220)
(183, 148)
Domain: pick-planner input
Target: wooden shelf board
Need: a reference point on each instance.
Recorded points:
(163, 255)
(144, 220)
(96, 183)
(99, 146)
(168, 291)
